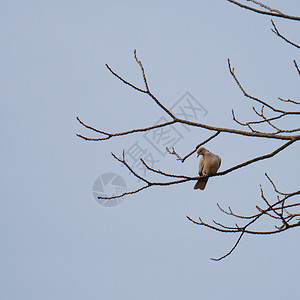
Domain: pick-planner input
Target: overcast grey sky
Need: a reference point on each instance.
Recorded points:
(57, 241)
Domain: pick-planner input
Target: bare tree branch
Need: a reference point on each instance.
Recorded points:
(289, 100)
(184, 178)
(296, 66)
(253, 133)
(278, 208)
(256, 122)
(164, 173)
(143, 71)
(231, 69)
(232, 249)
(173, 152)
(148, 183)
(251, 161)
(284, 210)
(110, 135)
(275, 30)
(147, 91)
(271, 12)
(265, 6)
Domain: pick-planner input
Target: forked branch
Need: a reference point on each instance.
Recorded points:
(283, 211)
(279, 210)
(276, 31)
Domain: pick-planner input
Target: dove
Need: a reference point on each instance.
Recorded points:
(209, 165)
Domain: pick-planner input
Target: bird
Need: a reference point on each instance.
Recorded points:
(209, 165)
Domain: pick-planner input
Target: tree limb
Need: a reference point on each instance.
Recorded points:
(274, 12)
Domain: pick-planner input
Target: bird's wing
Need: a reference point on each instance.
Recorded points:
(201, 166)
(201, 183)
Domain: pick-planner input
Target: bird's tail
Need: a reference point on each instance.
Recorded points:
(201, 183)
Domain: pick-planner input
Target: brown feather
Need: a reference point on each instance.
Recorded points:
(200, 184)
(209, 164)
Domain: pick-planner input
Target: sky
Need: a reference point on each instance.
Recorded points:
(58, 241)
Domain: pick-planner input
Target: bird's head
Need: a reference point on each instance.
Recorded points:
(201, 151)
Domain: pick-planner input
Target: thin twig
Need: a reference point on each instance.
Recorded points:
(110, 135)
(276, 31)
(232, 249)
(231, 70)
(275, 14)
(256, 158)
(278, 211)
(289, 100)
(173, 152)
(296, 65)
(266, 7)
(279, 208)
